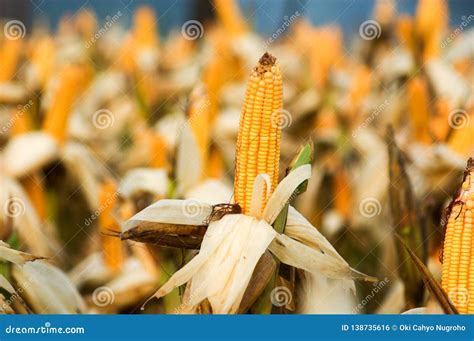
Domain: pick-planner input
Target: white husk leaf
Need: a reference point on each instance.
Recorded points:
(210, 191)
(26, 221)
(284, 191)
(4, 284)
(14, 256)
(321, 295)
(181, 212)
(47, 289)
(148, 180)
(29, 152)
(447, 82)
(262, 182)
(133, 283)
(91, 270)
(188, 163)
(221, 271)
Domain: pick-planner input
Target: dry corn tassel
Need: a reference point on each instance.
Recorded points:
(258, 142)
(458, 265)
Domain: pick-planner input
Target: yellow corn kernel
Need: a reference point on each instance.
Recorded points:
(458, 249)
(418, 105)
(111, 246)
(55, 122)
(258, 142)
(199, 120)
(230, 16)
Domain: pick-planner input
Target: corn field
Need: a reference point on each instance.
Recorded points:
(217, 170)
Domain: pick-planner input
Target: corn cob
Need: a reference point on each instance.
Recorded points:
(199, 120)
(215, 165)
(258, 142)
(223, 67)
(460, 140)
(55, 122)
(42, 58)
(326, 54)
(10, 53)
(32, 183)
(85, 23)
(418, 104)
(159, 152)
(111, 246)
(405, 32)
(145, 28)
(230, 16)
(430, 24)
(458, 249)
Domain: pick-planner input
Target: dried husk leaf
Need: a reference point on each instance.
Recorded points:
(149, 180)
(223, 268)
(210, 191)
(188, 164)
(25, 220)
(284, 191)
(180, 223)
(14, 256)
(47, 290)
(29, 152)
(87, 170)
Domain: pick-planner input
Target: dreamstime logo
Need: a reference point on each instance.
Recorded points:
(378, 286)
(103, 296)
(110, 21)
(370, 30)
(192, 208)
(373, 115)
(370, 207)
(464, 25)
(14, 30)
(281, 119)
(103, 119)
(286, 23)
(281, 297)
(458, 119)
(14, 207)
(22, 109)
(192, 30)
